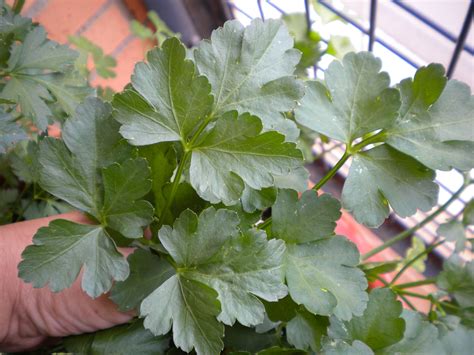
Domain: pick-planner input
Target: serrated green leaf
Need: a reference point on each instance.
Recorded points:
(323, 276)
(457, 278)
(239, 267)
(420, 337)
(242, 339)
(355, 101)
(235, 153)
(337, 347)
(147, 272)
(24, 161)
(379, 326)
(60, 250)
(306, 330)
(170, 100)
(10, 132)
(435, 122)
(43, 208)
(307, 219)
(31, 97)
(417, 247)
(124, 185)
(459, 341)
(124, 339)
(195, 240)
(37, 52)
(258, 200)
(307, 42)
(383, 176)
(40, 72)
(468, 214)
(249, 266)
(283, 310)
(250, 70)
(191, 308)
(71, 170)
(103, 63)
(454, 232)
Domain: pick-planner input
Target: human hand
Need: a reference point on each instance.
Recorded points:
(30, 317)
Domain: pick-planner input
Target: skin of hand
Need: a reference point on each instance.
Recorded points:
(30, 317)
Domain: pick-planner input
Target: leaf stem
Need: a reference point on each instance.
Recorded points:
(174, 187)
(332, 172)
(407, 233)
(413, 260)
(415, 283)
(376, 138)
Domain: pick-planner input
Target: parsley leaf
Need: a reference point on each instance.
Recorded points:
(435, 122)
(420, 337)
(379, 326)
(211, 254)
(191, 307)
(454, 232)
(457, 278)
(383, 176)
(147, 272)
(10, 132)
(321, 271)
(123, 339)
(64, 243)
(355, 101)
(234, 154)
(337, 346)
(40, 71)
(169, 99)
(306, 330)
(251, 70)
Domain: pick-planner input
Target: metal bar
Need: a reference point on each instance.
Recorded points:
(232, 6)
(259, 3)
(276, 7)
(364, 30)
(373, 17)
(461, 40)
(419, 16)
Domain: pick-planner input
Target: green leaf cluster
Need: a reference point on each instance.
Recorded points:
(37, 74)
(396, 136)
(184, 163)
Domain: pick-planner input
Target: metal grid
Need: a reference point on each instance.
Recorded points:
(333, 151)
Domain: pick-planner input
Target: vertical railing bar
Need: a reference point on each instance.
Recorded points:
(438, 28)
(373, 18)
(461, 40)
(259, 3)
(365, 31)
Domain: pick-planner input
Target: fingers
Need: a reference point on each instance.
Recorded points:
(30, 316)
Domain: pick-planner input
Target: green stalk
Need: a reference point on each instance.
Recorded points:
(174, 186)
(17, 6)
(415, 283)
(332, 172)
(407, 233)
(412, 261)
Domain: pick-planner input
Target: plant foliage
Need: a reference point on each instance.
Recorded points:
(194, 150)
